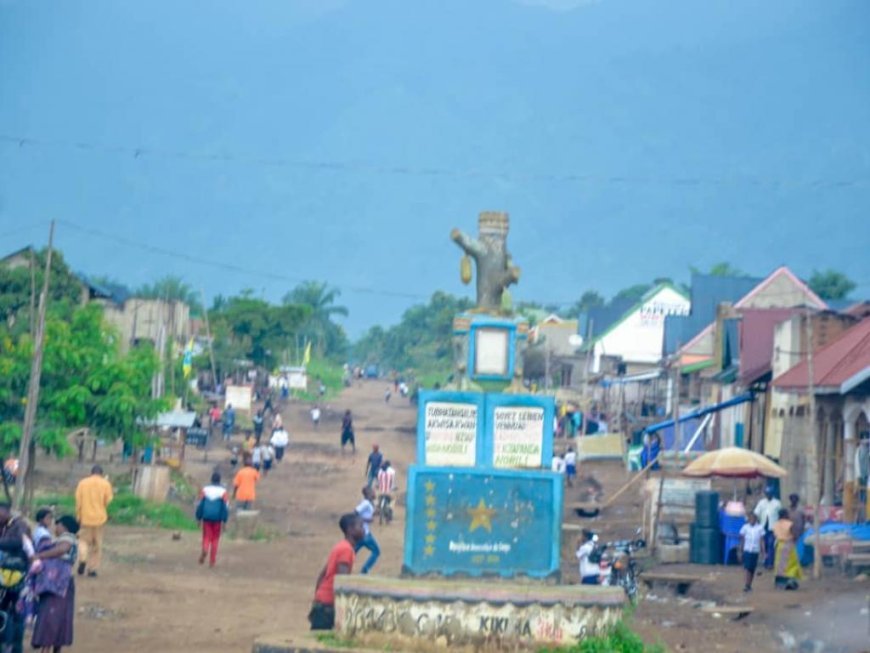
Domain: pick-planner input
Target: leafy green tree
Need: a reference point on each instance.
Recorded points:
(588, 300)
(422, 341)
(245, 327)
(632, 293)
(328, 337)
(721, 269)
(830, 284)
(86, 382)
(65, 290)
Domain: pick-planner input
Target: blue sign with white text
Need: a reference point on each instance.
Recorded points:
(481, 522)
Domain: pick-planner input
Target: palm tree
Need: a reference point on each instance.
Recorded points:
(320, 298)
(171, 288)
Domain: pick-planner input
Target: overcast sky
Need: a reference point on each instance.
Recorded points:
(342, 140)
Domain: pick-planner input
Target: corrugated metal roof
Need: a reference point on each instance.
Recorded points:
(756, 340)
(837, 367)
(708, 291)
(603, 317)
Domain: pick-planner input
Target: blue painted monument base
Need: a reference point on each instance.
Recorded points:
(483, 522)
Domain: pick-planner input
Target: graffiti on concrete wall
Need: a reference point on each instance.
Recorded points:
(368, 618)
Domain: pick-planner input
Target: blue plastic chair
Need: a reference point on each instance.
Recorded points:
(730, 526)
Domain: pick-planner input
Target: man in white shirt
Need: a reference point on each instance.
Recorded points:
(767, 511)
(589, 571)
(366, 510)
(315, 416)
(751, 547)
(558, 464)
(279, 440)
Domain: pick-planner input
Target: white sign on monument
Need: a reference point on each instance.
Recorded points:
(518, 437)
(451, 434)
(491, 352)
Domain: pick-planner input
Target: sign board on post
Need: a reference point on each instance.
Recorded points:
(449, 425)
(239, 396)
(521, 428)
(483, 522)
(517, 437)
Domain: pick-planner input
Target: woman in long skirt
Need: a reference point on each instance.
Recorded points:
(786, 564)
(56, 588)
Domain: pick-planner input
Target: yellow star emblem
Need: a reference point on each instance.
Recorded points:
(430, 486)
(429, 550)
(481, 517)
(430, 539)
(430, 501)
(430, 513)
(431, 525)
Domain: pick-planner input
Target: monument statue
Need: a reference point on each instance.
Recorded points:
(495, 268)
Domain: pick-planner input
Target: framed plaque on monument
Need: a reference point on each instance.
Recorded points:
(491, 352)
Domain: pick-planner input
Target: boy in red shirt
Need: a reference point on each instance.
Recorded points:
(340, 561)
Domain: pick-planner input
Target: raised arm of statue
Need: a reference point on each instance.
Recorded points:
(472, 246)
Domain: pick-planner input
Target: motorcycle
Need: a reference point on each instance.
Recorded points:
(618, 566)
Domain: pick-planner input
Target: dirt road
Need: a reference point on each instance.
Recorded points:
(152, 595)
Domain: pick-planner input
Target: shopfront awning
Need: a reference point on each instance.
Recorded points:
(701, 412)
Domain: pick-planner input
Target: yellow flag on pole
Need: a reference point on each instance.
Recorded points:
(307, 357)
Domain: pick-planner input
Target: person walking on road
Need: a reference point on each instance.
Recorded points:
(347, 435)
(56, 609)
(245, 486)
(258, 425)
(767, 511)
(570, 466)
(796, 515)
(315, 416)
(787, 567)
(386, 487)
(229, 422)
(340, 561)
(373, 466)
(751, 547)
(366, 511)
(93, 496)
(279, 440)
(212, 512)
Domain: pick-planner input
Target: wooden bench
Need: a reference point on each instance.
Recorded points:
(680, 582)
(736, 612)
(855, 561)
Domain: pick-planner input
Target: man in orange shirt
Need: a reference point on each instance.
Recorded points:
(340, 561)
(93, 496)
(245, 485)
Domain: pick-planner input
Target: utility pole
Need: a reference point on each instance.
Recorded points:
(24, 449)
(817, 540)
(208, 335)
(32, 325)
(676, 399)
(586, 406)
(546, 364)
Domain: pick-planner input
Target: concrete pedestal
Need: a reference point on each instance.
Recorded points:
(430, 615)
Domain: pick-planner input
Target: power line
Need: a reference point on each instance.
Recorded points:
(21, 230)
(231, 267)
(368, 167)
(154, 249)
